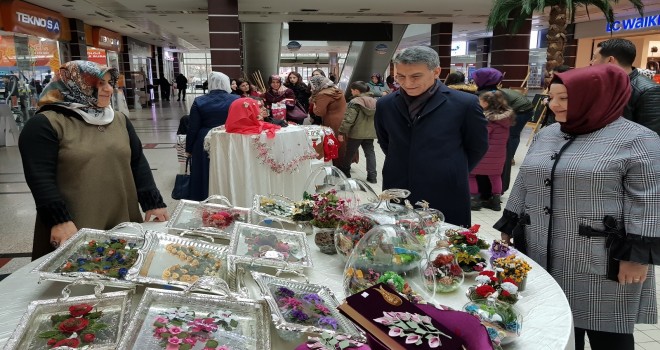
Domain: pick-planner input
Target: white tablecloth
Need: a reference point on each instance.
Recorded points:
(238, 173)
(547, 319)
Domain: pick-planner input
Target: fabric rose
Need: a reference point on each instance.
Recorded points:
(88, 338)
(72, 343)
(80, 310)
(73, 325)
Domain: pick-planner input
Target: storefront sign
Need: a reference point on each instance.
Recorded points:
(106, 39)
(97, 55)
(21, 17)
(633, 23)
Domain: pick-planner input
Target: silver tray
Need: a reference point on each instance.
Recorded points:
(186, 216)
(284, 202)
(115, 308)
(155, 258)
(251, 330)
(268, 284)
(49, 269)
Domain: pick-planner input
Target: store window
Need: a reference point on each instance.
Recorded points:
(196, 67)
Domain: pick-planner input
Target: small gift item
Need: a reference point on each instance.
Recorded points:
(213, 216)
(467, 246)
(441, 271)
(349, 232)
(489, 286)
(502, 321)
(328, 211)
(513, 267)
(500, 249)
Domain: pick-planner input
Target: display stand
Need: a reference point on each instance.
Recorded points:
(8, 128)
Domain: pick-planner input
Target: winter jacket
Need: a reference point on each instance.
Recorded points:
(498, 134)
(330, 105)
(644, 105)
(358, 120)
(302, 93)
(517, 101)
(377, 89)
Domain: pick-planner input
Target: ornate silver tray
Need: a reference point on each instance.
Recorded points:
(214, 219)
(54, 267)
(235, 322)
(274, 206)
(114, 308)
(184, 259)
(317, 322)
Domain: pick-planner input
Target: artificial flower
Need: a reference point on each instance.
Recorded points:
(485, 290)
(88, 337)
(73, 325)
(80, 310)
(70, 342)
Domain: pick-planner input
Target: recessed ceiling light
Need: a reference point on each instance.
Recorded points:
(67, 5)
(459, 10)
(162, 15)
(309, 10)
(350, 17)
(266, 7)
(180, 27)
(413, 11)
(476, 22)
(109, 20)
(365, 9)
(150, 6)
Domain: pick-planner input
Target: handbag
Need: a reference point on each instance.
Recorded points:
(297, 114)
(181, 188)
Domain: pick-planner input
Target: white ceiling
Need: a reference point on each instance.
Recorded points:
(184, 23)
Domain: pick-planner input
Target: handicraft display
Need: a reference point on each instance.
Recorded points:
(501, 320)
(490, 286)
(441, 270)
(467, 246)
(215, 219)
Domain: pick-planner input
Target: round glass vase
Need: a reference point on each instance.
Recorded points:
(386, 213)
(441, 271)
(349, 232)
(325, 239)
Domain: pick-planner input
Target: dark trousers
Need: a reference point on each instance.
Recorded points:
(183, 90)
(165, 93)
(604, 340)
(352, 147)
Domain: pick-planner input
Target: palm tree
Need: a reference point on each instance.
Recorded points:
(560, 13)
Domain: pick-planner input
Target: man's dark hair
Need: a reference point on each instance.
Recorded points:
(360, 86)
(455, 78)
(623, 50)
(562, 68)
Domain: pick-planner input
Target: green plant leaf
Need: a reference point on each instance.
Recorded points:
(95, 315)
(48, 334)
(212, 344)
(177, 322)
(344, 344)
(165, 335)
(185, 347)
(233, 323)
(412, 324)
(402, 325)
(418, 342)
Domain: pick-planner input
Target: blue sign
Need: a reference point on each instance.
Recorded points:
(633, 23)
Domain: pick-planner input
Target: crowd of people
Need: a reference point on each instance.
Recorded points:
(585, 204)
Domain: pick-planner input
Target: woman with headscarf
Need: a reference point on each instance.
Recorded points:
(586, 206)
(83, 161)
(376, 86)
(300, 89)
(245, 117)
(330, 105)
(276, 92)
(207, 112)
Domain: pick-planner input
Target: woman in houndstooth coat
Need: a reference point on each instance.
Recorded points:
(586, 206)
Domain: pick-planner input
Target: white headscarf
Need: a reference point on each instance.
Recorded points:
(219, 81)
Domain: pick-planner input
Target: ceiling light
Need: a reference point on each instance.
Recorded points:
(309, 10)
(413, 11)
(365, 9)
(109, 20)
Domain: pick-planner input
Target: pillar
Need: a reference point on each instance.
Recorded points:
(509, 53)
(78, 45)
(125, 69)
(156, 67)
(570, 49)
(225, 37)
(483, 51)
(441, 43)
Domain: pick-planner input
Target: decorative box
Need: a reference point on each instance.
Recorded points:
(215, 219)
(274, 206)
(167, 319)
(96, 254)
(97, 320)
(298, 307)
(175, 260)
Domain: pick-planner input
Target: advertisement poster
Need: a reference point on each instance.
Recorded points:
(35, 55)
(97, 56)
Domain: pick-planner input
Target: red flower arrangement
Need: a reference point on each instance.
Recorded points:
(79, 325)
(219, 219)
(485, 290)
(351, 229)
(490, 285)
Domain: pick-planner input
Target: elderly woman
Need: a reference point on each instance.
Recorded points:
(83, 161)
(330, 105)
(586, 206)
(207, 112)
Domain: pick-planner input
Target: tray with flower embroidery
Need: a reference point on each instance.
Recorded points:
(96, 254)
(174, 260)
(302, 307)
(167, 319)
(214, 219)
(274, 206)
(269, 247)
(96, 320)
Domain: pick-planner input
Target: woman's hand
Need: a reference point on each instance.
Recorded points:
(159, 214)
(62, 232)
(632, 272)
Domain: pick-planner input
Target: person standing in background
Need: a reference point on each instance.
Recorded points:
(182, 86)
(330, 106)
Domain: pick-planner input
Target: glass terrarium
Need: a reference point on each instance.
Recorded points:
(361, 190)
(502, 321)
(384, 249)
(323, 179)
(349, 232)
(215, 219)
(441, 271)
(385, 212)
(432, 219)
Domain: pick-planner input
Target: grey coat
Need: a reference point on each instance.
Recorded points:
(566, 182)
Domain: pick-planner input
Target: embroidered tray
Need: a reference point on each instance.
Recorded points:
(49, 269)
(189, 215)
(283, 210)
(155, 258)
(269, 284)
(115, 308)
(251, 331)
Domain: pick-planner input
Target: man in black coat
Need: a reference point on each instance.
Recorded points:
(181, 85)
(643, 106)
(432, 136)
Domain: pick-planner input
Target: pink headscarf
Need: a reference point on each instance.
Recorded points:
(243, 119)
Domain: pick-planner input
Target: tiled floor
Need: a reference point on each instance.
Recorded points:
(156, 127)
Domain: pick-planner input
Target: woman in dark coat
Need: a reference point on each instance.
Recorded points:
(277, 92)
(300, 89)
(207, 112)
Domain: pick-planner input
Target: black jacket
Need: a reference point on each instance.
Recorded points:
(644, 105)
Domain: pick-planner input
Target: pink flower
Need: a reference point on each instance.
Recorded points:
(160, 330)
(190, 341)
(403, 316)
(174, 340)
(426, 319)
(395, 332)
(175, 330)
(416, 318)
(434, 342)
(161, 320)
(413, 338)
(223, 347)
(384, 320)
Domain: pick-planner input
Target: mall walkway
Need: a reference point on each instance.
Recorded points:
(157, 127)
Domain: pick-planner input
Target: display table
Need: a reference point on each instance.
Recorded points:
(238, 169)
(547, 319)
(8, 128)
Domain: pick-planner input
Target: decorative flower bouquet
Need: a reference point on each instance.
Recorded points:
(274, 207)
(500, 249)
(112, 258)
(196, 264)
(330, 341)
(328, 209)
(443, 273)
(514, 268)
(78, 327)
(303, 210)
(416, 328)
(181, 329)
(304, 308)
(358, 280)
(270, 247)
(488, 285)
(219, 218)
(467, 245)
(501, 320)
(349, 232)
(467, 237)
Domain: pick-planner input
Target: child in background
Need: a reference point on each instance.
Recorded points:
(500, 117)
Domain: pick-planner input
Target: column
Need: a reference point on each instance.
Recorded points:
(125, 69)
(156, 68)
(225, 37)
(570, 48)
(441, 43)
(483, 51)
(510, 52)
(78, 43)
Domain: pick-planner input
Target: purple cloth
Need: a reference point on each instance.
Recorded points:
(304, 346)
(487, 77)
